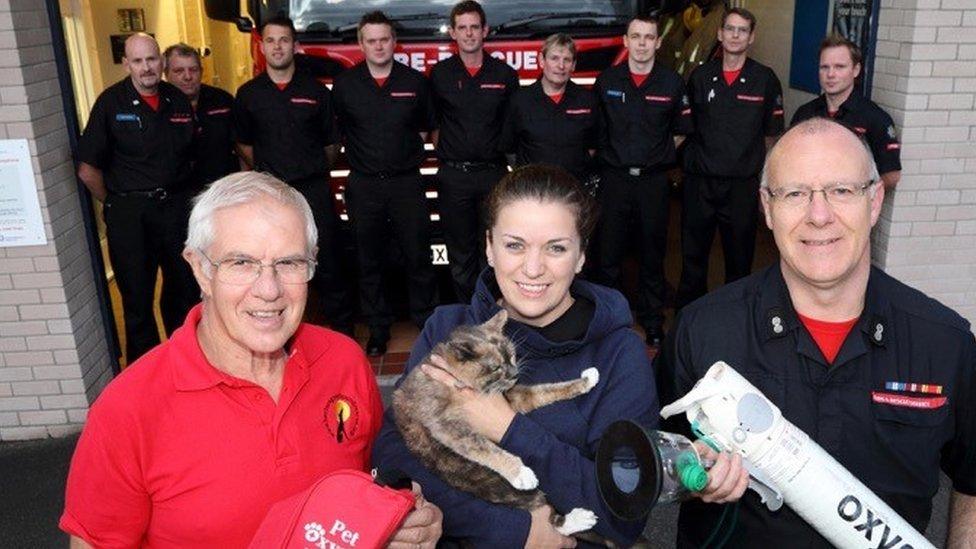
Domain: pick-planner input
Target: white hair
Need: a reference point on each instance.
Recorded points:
(819, 125)
(242, 188)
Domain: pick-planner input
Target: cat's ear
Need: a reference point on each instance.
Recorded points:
(497, 322)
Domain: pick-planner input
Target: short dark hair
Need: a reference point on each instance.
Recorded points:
(544, 183)
(467, 6)
(376, 17)
(183, 50)
(648, 18)
(834, 40)
(279, 21)
(743, 13)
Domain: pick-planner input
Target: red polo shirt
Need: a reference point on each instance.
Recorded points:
(178, 453)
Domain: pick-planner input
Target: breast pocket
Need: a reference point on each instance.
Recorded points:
(127, 131)
(908, 444)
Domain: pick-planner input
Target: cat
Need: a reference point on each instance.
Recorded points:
(428, 415)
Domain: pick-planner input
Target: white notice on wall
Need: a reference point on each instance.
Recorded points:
(20, 214)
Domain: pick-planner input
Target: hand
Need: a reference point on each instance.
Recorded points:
(543, 534)
(421, 528)
(727, 478)
(489, 415)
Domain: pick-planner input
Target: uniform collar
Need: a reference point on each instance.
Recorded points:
(193, 372)
(164, 91)
(777, 318)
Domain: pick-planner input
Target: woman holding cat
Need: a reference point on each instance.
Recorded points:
(539, 222)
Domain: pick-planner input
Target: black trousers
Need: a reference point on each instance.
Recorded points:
(146, 234)
(398, 202)
(731, 204)
(332, 287)
(623, 197)
(462, 197)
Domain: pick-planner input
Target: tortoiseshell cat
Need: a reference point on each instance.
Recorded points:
(433, 428)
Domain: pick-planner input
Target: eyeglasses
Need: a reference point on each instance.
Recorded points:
(840, 194)
(732, 29)
(244, 270)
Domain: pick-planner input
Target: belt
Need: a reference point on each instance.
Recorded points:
(470, 167)
(390, 174)
(158, 193)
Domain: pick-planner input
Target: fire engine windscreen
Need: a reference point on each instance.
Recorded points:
(428, 19)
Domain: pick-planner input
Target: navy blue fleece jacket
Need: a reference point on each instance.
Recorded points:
(558, 442)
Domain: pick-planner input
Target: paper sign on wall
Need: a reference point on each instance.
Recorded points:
(20, 213)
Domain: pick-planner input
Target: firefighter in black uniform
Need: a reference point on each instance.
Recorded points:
(213, 144)
(645, 115)
(554, 121)
(878, 374)
(840, 65)
(284, 124)
(471, 92)
(735, 103)
(385, 111)
(135, 155)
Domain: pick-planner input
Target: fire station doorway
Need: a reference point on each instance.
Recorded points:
(94, 31)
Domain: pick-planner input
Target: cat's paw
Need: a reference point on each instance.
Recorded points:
(592, 377)
(525, 480)
(577, 520)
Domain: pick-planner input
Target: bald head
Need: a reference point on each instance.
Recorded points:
(143, 62)
(817, 139)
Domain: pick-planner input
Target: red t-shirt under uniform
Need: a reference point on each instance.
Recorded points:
(829, 336)
(176, 453)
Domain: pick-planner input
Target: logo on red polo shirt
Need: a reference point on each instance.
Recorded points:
(403, 94)
(304, 100)
(224, 110)
(577, 111)
(341, 416)
(658, 98)
(750, 98)
(493, 86)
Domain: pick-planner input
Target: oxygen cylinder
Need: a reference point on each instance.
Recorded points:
(787, 466)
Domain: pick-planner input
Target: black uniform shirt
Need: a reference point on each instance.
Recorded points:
(894, 441)
(137, 148)
(639, 122)
(540, 130)
(213, 148)
(289, 129)
(471, 109)
(382, 125)
(731, 121)
(865, 118)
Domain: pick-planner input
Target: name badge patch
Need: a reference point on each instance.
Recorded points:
(750, 98)
(225, 110)
(304, 101)
(403, 94)
(658, 98)
(181, 119)
(126, 117)
(905, 401)
(577, 111)
(493, 86)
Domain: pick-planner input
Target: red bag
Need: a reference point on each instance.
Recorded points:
(345, 509)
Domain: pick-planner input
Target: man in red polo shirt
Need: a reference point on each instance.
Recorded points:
(243, 406)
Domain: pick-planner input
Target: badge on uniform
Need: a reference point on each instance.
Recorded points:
(617, 93)
(894, 395)
(341, 417)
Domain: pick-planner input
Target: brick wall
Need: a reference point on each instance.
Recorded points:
(53, 355)
(925, 77)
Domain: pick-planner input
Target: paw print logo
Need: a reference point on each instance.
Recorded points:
(314, 532)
